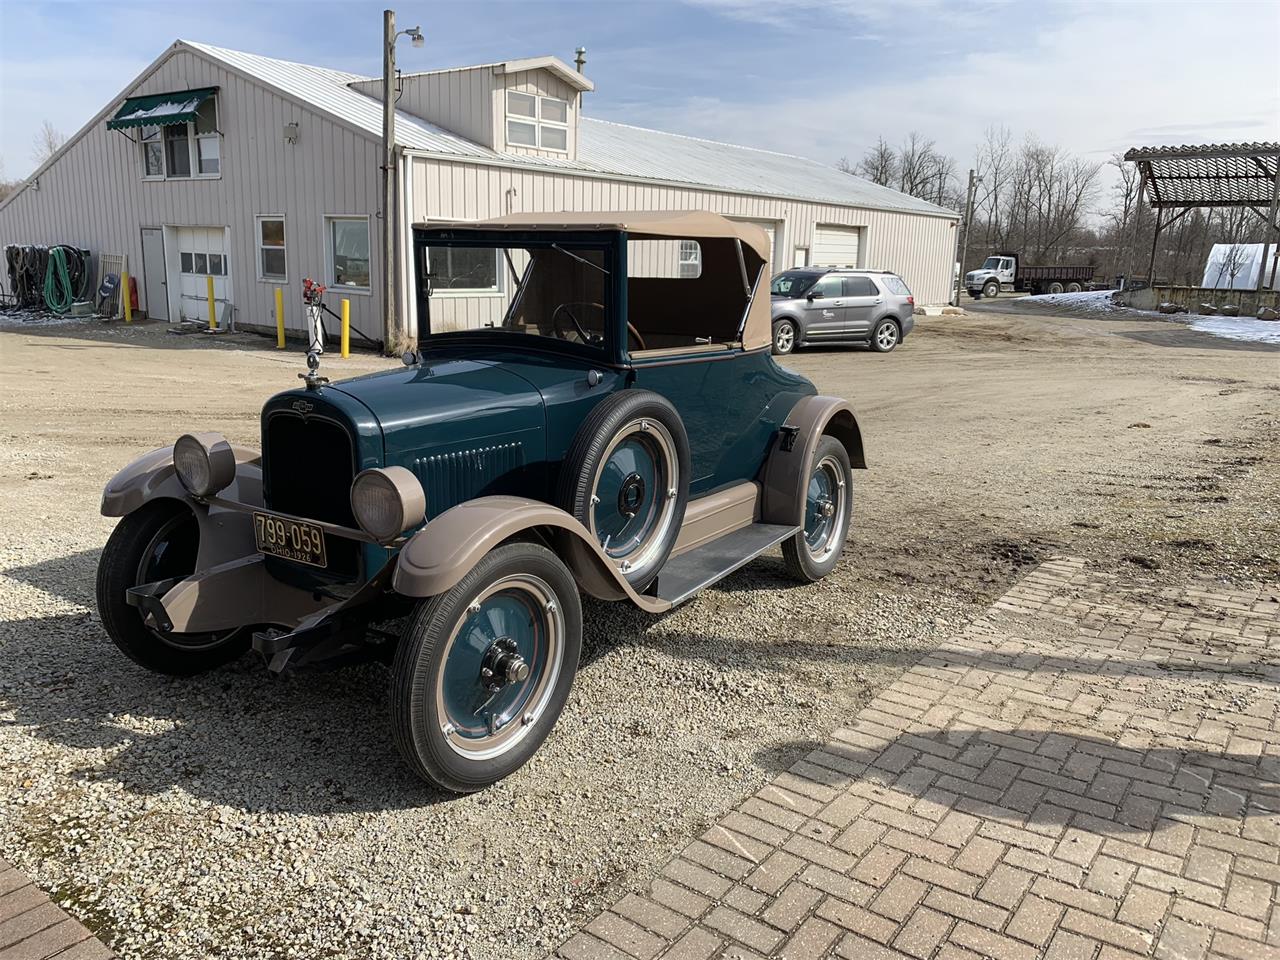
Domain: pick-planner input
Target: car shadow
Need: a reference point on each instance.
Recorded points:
(1045, 778)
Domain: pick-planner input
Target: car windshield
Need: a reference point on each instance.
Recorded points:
(993, 263)
(555, 290)
(792, 283)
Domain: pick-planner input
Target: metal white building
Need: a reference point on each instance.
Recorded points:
(259, 172)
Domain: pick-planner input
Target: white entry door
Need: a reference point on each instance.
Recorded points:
(202, 253)
(836, 246)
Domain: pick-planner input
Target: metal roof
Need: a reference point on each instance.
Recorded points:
(1209, 175)
(604, 147)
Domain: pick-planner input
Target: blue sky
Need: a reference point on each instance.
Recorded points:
(818, 79)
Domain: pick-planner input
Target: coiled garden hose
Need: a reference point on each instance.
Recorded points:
(58, 292)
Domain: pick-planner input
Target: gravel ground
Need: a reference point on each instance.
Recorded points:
(236, 816)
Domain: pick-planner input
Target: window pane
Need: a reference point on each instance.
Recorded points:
(555, 110)
(209, 150)
(828, 287)
(690, 259)
(201, 263)
(463, 268)
(522, 134)
(555, 138)
(150, 133)
(153, 158)
(272, 233)
(273, 263)
(521, 104)
(186, 262)
(350, 248)
(859, 287)
(217, 265)
(207, 117)
(176, 151)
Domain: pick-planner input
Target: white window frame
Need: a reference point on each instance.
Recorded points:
(329, 280)
(283, 248)
(193, 149)
(537, 121)
(690, 256)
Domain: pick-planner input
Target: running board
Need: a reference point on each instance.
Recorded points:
(690, 572)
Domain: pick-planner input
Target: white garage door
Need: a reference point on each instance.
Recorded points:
(202, 253)
(770, 227)
(835, 246)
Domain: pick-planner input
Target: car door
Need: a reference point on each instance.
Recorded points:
(824, 311)
(863, 305)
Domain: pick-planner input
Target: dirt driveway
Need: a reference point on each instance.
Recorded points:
(235, 816)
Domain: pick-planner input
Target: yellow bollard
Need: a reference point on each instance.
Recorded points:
(127, 302)
(346, 328)
(213, 316)
(279, 318)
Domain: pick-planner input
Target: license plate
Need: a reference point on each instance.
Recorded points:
(290, 539)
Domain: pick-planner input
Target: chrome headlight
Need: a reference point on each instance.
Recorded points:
(387, 501)
(204, 462)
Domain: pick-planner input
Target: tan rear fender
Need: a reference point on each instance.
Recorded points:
(444, 551)
(786, 472)
(225, 535)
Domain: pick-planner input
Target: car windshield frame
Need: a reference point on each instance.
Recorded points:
(811, 276)
(992, 263)
(575, 245)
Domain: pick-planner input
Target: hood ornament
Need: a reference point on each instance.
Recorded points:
(312, 299)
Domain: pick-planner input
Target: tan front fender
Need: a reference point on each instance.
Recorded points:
(444, 551)
(786, 472)
(225, 535)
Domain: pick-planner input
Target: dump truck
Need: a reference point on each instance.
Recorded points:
(1005, 273)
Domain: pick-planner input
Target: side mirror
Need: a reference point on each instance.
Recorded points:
(811, 296)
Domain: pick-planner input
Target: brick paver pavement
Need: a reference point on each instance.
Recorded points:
(1090, 770)
(32, 927)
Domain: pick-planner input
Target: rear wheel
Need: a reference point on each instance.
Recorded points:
(990, 289)
(784, 337)
(814, 552)
(483, 671)
(886, 336)
(1055, 287)
(158, 542)
(1074, 287)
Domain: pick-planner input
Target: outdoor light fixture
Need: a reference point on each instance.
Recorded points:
(415, 36)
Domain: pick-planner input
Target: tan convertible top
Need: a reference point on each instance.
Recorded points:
(657, 224)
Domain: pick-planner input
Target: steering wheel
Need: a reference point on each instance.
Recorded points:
(583, 336)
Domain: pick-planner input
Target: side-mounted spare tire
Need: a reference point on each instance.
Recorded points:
(626, 478)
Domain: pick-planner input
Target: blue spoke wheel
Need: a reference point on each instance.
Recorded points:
(813, 552)
(483, 670)
(626, 478)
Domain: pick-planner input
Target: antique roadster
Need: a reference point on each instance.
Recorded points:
(611, 423)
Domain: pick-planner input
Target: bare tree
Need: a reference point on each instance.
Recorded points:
(6, 186)
(47, 142)
(879, 164)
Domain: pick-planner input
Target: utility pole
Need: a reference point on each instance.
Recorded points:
(390, 333)
(390, 213)
(968, 221)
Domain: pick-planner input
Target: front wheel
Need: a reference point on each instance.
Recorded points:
(784, 337)
(990, 289)
(158, 542)
(483, 671)
(814, 552)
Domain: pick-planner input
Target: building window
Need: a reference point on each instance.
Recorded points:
(152, 152)
(463, 269)
(203, 264)
(347, 242)
(180, 151)
(534, 121)
(271, 258)
(690, 259)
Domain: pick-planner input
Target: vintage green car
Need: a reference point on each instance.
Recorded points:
(614, 426)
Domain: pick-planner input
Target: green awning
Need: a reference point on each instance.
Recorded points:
(160, 109)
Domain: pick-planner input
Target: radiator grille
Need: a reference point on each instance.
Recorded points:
(451, 478)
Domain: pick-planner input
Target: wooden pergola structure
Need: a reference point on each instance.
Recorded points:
(1181, 179)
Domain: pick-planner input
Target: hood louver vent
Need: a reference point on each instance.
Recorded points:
(451, 478)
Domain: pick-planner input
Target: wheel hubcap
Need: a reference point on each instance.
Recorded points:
(888, 335)
(634, 502)
(501, 664)
(824, 509)
(786, 337)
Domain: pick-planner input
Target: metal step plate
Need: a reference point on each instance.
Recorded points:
(688, 573)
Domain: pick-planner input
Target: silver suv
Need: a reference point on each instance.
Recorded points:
(827, 305)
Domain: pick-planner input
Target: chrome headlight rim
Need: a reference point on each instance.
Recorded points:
(403, 502)
(204, 462)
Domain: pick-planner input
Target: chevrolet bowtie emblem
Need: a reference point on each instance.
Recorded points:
(303, 406)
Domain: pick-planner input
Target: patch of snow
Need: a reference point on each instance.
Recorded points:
(1237, 328)
(11, 317)
(1094, 301)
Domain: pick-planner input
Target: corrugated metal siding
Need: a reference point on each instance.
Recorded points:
(93, 195)
(460, 101)
(920, 248)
